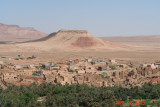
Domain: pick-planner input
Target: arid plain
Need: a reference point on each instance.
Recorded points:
(71, 44)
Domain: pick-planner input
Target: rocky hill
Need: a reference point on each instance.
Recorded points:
(75, 38)
(72, 40)
(14, 33)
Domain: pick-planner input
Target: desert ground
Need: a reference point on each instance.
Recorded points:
(140, 56)
(71, 44)
(148, 40)
(124, 56)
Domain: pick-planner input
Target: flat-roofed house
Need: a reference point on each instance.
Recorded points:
(101, 60)
(88, 60)
(143, 65)
(11, 77)
(156, 80)
(70, 63)
(123, 65)
(76, 61)
(113, 61)
(1, 62)
(34, 56)
(109, 63)
(152, 66)
(32, 66)
(81, 71)
(157, 63)
(17, 66)
(94, 62)
(20, 56)
(46, 66)
(52, 64)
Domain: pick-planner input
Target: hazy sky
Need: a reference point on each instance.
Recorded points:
(99, 17)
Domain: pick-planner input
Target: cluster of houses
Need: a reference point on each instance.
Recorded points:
(22, 57)
(92, 71)
(135, 77)
(153, 66)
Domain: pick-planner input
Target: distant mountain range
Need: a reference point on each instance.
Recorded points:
(14, 33)
(67, 39)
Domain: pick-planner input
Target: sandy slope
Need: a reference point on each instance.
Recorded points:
(73, 40)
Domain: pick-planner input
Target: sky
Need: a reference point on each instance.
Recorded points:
(99, 17)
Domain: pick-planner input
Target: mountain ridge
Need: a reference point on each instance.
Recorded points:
(15, 33)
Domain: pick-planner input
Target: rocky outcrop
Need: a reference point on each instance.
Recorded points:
(74, 39)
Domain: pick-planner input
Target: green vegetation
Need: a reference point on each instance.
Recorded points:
(55, 69)
(16, 58)
(75, 95)
(113, 67)
(73, 70)
(37, 67)
(104, 75)
(29, 58)
(131, 66)
(20, 80)
(26, 67)
(2, 67)
(34, 74)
